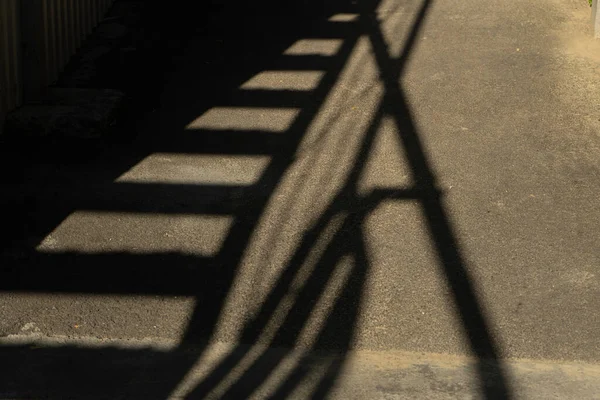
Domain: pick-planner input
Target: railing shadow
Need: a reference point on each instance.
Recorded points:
(316, 300)
(491, 374)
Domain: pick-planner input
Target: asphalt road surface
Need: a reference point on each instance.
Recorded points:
(396, 197)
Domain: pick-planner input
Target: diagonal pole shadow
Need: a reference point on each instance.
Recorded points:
(490, 370)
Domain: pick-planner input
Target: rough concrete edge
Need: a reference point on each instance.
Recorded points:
(391, 358)
(366, 373)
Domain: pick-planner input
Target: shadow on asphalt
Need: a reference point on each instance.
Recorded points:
(65, 372)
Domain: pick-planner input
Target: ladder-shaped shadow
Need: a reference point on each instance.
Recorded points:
(315, 301)
(257, 365)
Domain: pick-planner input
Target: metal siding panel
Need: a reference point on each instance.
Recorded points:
(70, 21)
(48, 40)
(74, 21)
(94, 12)
(62, 27)
(79, 25)
(58, 42)
(10, 77)
(15, 88)
(69, 28)
(3, 63)
(52, 49)
(6, 57)
(67, 37)
(64, 39)
(88, 17)
(79, 32)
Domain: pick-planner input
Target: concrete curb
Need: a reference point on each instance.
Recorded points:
(94, 368)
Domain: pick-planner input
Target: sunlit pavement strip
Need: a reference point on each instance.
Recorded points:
(366, 375)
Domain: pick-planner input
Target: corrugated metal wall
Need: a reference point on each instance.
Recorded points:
(10, 70)
(65, 23)
(53, 31)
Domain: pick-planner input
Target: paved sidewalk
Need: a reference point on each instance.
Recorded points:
(399, 177)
